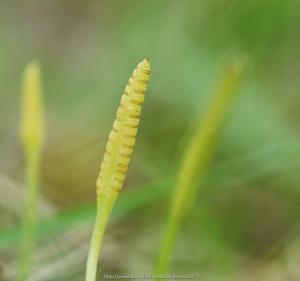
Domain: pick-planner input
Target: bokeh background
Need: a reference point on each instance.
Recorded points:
(245, 221)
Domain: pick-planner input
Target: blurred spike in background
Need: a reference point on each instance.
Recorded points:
(196, 159)
(32, 136)
(247, 221)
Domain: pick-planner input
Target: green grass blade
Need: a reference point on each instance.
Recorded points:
(195, 161)
(130, 202)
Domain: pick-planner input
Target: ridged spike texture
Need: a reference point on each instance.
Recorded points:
(123, 134)
(116, 158)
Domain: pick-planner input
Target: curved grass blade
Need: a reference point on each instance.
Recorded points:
(195, 162)
(114, 166)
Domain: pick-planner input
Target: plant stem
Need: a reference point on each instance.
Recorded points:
(30, 213)
(102, 217)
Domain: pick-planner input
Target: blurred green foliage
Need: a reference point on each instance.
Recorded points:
(247, 222)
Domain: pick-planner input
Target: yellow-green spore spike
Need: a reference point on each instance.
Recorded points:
(32, 119)
(117, 156)
(122, 136)
(32, 136)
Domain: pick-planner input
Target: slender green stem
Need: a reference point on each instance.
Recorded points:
(30, 213)
(194, 163)
(102, 217)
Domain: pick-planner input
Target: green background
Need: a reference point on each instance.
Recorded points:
(244, 224)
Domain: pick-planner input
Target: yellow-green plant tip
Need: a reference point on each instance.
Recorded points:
(117, 156)
(32, 119)
(32, 136)
(196, 159)
(121, 139)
